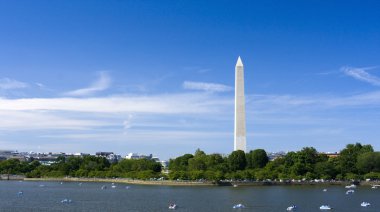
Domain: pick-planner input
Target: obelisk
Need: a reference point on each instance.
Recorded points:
(239, 134)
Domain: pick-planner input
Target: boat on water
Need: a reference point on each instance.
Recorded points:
(172, 206)
(365, 204)
(324, 190)
(350, 186)
(235, 185)
(66, 201)
(20, 193)
(113, 186)
(238, 206)
(325, 207)
(375, 186)
(104, 187)
(350, 191)
(291, 208)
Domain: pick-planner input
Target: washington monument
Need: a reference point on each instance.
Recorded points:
(239, 134)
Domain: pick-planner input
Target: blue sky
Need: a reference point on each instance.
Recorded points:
(158, 76)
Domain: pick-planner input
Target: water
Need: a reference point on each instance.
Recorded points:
(90, 197)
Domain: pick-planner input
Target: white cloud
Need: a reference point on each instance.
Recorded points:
(361, 74)
(8, 84)
(127, 124)
(209, 87)
(101, 84)
(164, 104)
(40, 120)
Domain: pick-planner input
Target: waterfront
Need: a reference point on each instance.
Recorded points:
(90, 197)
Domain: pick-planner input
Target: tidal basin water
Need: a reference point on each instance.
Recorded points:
(47, 196)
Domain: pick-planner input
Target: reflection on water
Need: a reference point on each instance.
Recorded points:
(57, 196)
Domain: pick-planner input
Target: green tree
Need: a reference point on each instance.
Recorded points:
(180, 163)
(349, 155)
(257, 159)
(368, 162)
(236, 160)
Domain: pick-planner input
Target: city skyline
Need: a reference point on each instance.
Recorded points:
(158, 77)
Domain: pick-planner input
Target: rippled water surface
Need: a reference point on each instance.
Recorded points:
(47, 196)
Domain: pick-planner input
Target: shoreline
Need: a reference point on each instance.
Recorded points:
(201, 183)
(126, 181)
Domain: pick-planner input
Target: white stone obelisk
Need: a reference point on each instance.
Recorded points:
(239, 134)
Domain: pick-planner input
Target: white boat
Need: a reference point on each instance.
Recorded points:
(238, 206)
(113, 186)
(235, 185)
(350, 191)
(324, 190)
(374, 187)
(350, 186)
(104, 187)
(325, 207)
(172, 206)
(66, 201)
(365, 204)
(291, 208)
(20, 193)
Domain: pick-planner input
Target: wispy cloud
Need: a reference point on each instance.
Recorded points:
(188, 103)
(9, 84)
(362, 74)
(100, 84)
(203, 86)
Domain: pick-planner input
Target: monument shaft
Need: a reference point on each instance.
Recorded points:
(240, 131)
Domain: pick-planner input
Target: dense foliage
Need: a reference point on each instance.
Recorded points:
(87, 166)
(356, 161)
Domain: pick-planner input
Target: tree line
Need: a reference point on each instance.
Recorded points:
(86, 166)
(355, 161)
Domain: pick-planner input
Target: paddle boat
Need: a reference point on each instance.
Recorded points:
(350, 191)
(66, 201)
(325, 207)
(291, 208)
(172, 206)
(238, 206)
(365, 204)
(351, 186)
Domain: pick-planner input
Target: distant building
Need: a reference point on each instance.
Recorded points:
(111, 157)
(80, 154)
(164, 164)
(137, 156)
(331, 154)
(274, 155)
(104, 154)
